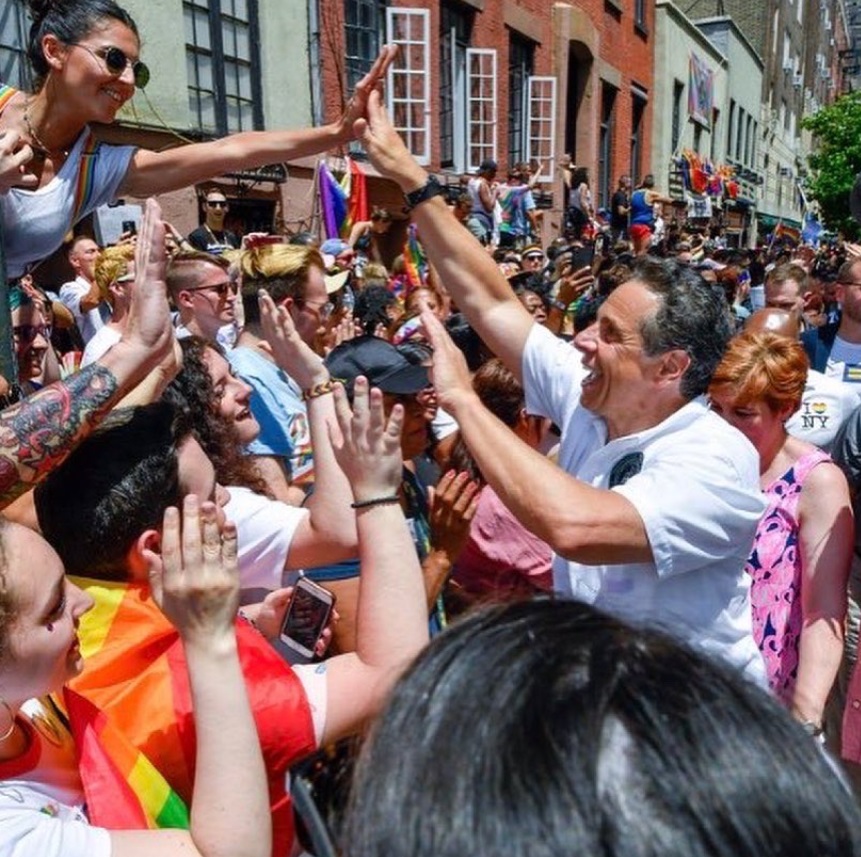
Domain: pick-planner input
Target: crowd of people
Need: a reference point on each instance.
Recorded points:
(586, 507)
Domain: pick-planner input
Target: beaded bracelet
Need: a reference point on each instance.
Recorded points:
(318, 390)
(376, 501)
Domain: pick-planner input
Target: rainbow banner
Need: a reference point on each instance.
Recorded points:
(136, 683)
(415, 260)
(344, 202)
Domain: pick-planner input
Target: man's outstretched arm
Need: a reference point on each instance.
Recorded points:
(464, 266)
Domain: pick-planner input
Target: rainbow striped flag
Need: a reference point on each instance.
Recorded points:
(137, 738)
(415, 260)
(345, 202)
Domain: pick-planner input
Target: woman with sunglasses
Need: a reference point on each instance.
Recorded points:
(86, 59)
(31, 338)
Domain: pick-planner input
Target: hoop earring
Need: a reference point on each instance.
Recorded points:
(11, 728)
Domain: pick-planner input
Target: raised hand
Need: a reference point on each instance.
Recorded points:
(369, 448)
(385, 147)
(268, 617)
(371, 82)
(149, 325)
(449, 372)
(289, 350)
(195, 580)
(452, 507)
(13, 162)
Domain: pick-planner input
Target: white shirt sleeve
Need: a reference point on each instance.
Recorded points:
(30, 824)
(552, 373)
(71, 294)
(265, 529)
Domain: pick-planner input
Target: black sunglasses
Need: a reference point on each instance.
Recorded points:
(217, 203)
(116, 62)
(222, 289)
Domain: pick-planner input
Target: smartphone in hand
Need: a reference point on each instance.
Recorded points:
(306, 617)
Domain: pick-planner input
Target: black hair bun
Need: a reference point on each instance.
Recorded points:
(39, 9)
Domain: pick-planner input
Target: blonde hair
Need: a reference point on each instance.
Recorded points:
(282, 269)
(762, 367)
(111, 264)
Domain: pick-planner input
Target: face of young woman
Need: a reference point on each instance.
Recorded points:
(234, 397)
(90, 84)
(755, 420)
(43, 640)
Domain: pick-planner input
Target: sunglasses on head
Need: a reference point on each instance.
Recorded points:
(116, 62)
(26, 333)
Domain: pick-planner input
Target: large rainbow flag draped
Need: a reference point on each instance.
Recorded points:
(344, 202)
(131, 713)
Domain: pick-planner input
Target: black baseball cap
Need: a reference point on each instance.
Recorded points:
(380, 362)
(487, 166)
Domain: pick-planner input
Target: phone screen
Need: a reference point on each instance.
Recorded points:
(581, 257)
(306, 617)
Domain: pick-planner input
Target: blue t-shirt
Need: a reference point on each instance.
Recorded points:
(276, 402)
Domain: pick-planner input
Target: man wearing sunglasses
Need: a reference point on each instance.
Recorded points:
(211, 236)
(204, 295)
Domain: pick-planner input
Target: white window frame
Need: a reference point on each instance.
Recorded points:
(534, 142)
(400, 68)
(481, 126)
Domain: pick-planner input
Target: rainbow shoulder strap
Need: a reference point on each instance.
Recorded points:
(86, 170)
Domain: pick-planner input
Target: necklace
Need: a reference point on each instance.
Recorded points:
(39, 147)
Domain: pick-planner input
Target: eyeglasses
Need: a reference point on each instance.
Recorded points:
(116, 62)
(26, 333)
(322, 310)
(217, 203)
(222, 289)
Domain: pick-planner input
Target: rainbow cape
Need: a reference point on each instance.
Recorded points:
(345, 202)
(135, 726)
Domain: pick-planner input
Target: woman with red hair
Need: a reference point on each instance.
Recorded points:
(800, 558)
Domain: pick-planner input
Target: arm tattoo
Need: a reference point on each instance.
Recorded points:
(38, 433)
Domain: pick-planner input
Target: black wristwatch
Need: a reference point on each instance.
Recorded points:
(431, 188)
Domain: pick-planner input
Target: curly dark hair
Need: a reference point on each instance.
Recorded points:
(192, 392)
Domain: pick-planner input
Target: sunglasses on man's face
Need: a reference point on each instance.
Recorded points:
(217, 203)
(26, 333)
(116, 62)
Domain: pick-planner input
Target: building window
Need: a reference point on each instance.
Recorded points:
(730, 128)
(521, 54)
(14, 27)
(739, 136)
(640, 14)
(638, 111)
(713, 142)
(748, 148)
(223, 65)
(698, 137)
(678, 94)
(408, 96)
(455, 31)
(605, 144)
(364, 22)
(481, 103)
(541, 125)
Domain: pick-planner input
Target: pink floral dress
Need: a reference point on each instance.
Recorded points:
(775, 569)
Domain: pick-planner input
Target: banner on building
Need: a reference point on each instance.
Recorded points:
(700, 91)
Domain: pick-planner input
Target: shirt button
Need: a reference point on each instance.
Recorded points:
(856, 704)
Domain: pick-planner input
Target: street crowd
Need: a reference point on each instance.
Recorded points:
(583, 509)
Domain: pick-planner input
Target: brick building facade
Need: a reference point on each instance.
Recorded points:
(511, 80)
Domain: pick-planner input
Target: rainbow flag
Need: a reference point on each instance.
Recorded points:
(136, 683)
(415, 260)
(124, 790)
(344, 202)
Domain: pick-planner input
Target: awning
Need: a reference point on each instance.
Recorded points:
(769, 221)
